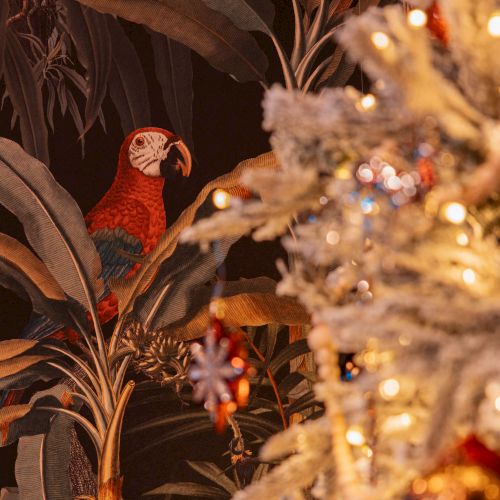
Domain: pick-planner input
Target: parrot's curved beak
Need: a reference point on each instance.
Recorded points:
(185, 163)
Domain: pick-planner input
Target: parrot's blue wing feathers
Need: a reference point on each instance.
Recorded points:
(117, 250)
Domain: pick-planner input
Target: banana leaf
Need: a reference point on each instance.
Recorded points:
(4, 12)
(127, 290)
(174, 72)
(52, 221)
(26, 275)
(127, 83)
(209, 33)
(43, 451)
(247, 302)
(26, 98)
(89, 31)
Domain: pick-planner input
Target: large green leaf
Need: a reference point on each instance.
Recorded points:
(89, 31)
(52, 221)
(193, 24)
(26, 98)
(127, 83)
(174, 72)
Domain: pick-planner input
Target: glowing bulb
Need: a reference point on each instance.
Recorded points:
(497, 403)
(380, 40)
(368, 102)
(454, 212)
(343, 173)
(389, 388)
(332, 237)
(469, 276)
(462, 239)
(221, 199)
(417, 18)
(494, 25)
(355, 437)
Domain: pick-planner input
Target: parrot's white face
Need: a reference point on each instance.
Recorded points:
(146, 152)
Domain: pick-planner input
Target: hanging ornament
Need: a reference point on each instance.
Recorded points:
(469, 471)
(219, 372)
(436, 24)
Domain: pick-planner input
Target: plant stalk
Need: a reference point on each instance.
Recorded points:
(109, 479)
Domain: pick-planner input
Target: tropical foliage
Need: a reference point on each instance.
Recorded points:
(71, 55)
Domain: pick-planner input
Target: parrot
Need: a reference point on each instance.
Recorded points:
(128, 221)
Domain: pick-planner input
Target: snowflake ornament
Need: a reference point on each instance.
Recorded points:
(218, 372)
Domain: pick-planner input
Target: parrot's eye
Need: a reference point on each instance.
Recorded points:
(139, 141)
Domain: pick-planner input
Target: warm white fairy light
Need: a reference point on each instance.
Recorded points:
(332, 237)
(454, 212)
(389, 388)
(367, 102)
(354, 436)
(497, 403)
(221, 199)
(469, 276)
(380, 40)
(417, 18)
(462, 239)
(494, 25)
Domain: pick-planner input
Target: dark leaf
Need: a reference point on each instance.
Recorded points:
(77, 119)
(305, 402)
(340, 76)
(52, 221)
(214, 473)
(50, 104)
(43, 452)
(26, 98)
(168, 298)
(26, 275)
(174, 72)
(290, 352)
(89, 31)
(127, 83)
(4, 12)
(189, 490)
(193, 24)
(61, 94)
(250, 15)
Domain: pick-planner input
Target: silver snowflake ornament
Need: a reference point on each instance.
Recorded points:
(211, 371)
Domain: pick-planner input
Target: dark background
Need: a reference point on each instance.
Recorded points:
(227, 130)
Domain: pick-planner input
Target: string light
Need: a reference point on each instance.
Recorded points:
(469, 276)
(454, 212)
(494, 25)
(497, 403)
(380, 40)
(354, 436)
(367, 102)
(417, 18)
(221, 199)
(389, 388)
(332, 237)
(462, 239)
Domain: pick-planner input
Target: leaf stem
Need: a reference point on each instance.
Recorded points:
(272, 380)
(91, 430)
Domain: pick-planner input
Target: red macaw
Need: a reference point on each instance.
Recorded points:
(129, 219)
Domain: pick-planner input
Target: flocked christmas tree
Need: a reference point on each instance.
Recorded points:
(388, 203)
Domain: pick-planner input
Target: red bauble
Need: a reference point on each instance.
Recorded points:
(436, 24)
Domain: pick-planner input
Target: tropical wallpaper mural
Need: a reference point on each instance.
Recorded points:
(229, 254)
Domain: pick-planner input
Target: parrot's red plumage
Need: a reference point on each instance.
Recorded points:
(128, 221)
(134, 204)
